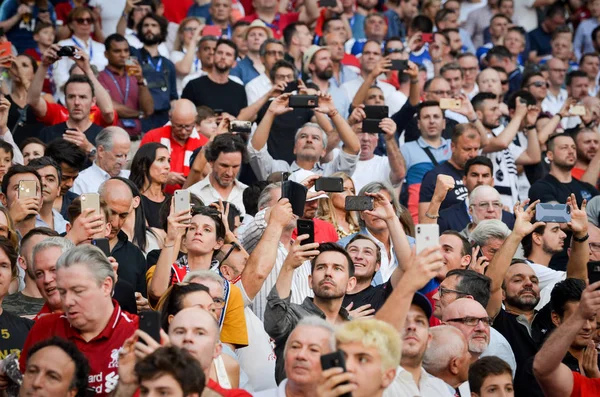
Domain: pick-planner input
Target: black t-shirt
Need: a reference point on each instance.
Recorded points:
(550, 189)
(13, 332)
(152, 210)
(456, 195)
(229, 97)
(52, 132)
(375, 296)
(132, 264)
(22, 122)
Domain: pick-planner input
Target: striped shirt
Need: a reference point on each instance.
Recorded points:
(300, 286)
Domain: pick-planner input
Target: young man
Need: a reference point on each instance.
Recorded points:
(490, 375)
(252, 65)
(51, 176)
(23, 210)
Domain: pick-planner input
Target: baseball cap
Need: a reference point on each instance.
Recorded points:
(300, 175)
(421, 300)
(308, 56)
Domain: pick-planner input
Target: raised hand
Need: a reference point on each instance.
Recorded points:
(326, 105)
(176, 224)
(388, 126)
(298, 254)
(422, 268)
(50, 55)
(579, 220)
(280, 105)
(590, 361)
(335, 382)
(358, 115)
(281, 213)
(524, 217)
(443, 184)
(382, 208)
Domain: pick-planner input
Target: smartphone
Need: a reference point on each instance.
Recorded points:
(427, 37)
(182, 201)
(211, 30)
(427, 236)
(399, 64)
(66, 51)
(546, 212)
(334, 360)
(371, 126)
(577, 110)
(329, 184)
(304, 101)
(5, 50)
(376, 112)
(291, 87)
(27, 189)
(296, 193)
(149, 322)
(450, 103)
(593, 271)
(327, 3)
(240, 126)
(359, 203)
(90, 200)
(102, 243)
(306, 226)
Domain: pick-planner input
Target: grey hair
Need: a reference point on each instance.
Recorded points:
(91, 257)
(312, 125)
(51, 242)
(376, 187)
(488, 229)
(264, 198)
(316, 322)
(446, 343)
(203, 275)
(106, 137)
(263, 47)
(483, 190)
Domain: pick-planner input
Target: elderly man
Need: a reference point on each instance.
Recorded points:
(181, 137)
(85, 280)
(485, 203)
(310, 143)
(312, 338)
(471, 319)
(112, 148)
(447, 358)
(489, 235)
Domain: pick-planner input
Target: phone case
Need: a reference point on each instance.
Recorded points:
(546, 212)
(304, 101)
(27, 189)
(449, 103)
(359, 203)
(335, 360)
(103, 245)
(426, 236)
(376, 112)
(291, 87)
(149, 322)
(296, 193)
(212, 31)
(371, 126)
(90, 200)
(182, 200)
(5, 50)
(329, 184)
(593, 271)
(306, 226)
(399, 64)
(240, 126)
(577, 110)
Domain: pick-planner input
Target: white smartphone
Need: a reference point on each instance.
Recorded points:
(182, 201)
(427, 236)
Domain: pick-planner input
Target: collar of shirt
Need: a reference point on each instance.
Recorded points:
(317, 168)
(106, 332)
(561, 97)
(309, 305)
(423, 144)
(105, 175)
(384, 272)
(204, 183)
(60, 223)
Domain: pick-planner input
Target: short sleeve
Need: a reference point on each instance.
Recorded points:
(427, 187)
(234, 329)
(55, 114)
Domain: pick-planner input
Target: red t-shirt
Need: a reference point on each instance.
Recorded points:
(577, 173)
(180, 155)
(176, 11)
(102, 352)
(56, 114)
(278, 24)
(214, 386)
(324, 232)
(585, 387)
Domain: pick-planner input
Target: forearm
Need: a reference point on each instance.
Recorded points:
(125, 112)
(414, 96)
(437, 66)
(483, 134)
(496, 271)
(160, 279)
(578, 259)
(548, 129)
(10, 22)
(249, 112)
(184, 66)
(550, 356)
(261, 135)
(395, 308)
(103, 99)
(34, 93)
(502, 141)
(396, 161)
(122, 24)
(146, 102)
(361, 94)
(401, 246)
(284, 281)
(196, 170)
(310, 12)
(593, 171)
(534, 153)
(125, 390)
(347, 134)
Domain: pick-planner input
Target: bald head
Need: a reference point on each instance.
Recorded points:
(460, 314)
(483, 193)
(183, 107)
(119, 199)
(489, 81)
(447, 343)
(463, 307)
(114, 189)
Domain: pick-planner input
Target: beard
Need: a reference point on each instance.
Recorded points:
(478, 346)
(332, 292)
(152, 39)
(521, 303)
(548, 249)
(324, 74)
(489, 125)
(221, 69)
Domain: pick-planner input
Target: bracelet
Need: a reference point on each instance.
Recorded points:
(415, 81)
(169, 246)
(529, 127)
(335, 112)
(474, 120)
(428, 215)
(581, 240)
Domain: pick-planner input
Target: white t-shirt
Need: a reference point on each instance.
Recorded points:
(110, 13)
(526, 13)
(376, 169)
(467, 7)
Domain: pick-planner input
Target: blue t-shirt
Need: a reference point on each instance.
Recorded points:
(21, 35)
(199, 11)
(540, 41)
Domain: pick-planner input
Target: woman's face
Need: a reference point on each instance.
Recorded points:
(339, 199)
(188, 31)
(22, 69)
(3, 225)
(82, 25)
(201, 236)
(200, 299)
(159, 170)
(32, 151)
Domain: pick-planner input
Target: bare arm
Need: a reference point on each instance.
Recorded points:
(296, 257)
(34, 99)
(146, 101)
(347, 135)
(509, 133)
(310, 11)
(580, 251)
(361, 94)
(443, 184)
(184, 66)
(593, 170)
(395, 158)
(533, 154)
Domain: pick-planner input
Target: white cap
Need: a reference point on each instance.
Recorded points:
(300, 175)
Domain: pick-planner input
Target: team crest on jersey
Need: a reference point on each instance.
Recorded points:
(114, 357)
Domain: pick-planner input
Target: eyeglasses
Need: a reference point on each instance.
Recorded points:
(442, 92)
(472, 321)
(273, 53)
(443, 291)
(486, 205)
(393, 51)
(470, 70)
(187, 127)
(86, 21)
(538, 84)
(503, 82)
(234, 245)
(190, 30)
(595, 247)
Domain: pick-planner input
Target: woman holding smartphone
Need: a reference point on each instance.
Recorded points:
(332, 209)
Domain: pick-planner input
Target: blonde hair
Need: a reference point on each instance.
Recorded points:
(326, 211)
(13, 236)
(373, 333)
(178, 43)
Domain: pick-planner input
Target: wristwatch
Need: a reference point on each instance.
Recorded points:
(428, 215)
(92, 152)
(144, 83)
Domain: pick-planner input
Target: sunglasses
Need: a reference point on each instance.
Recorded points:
(234, 246)
(539, 84)
(192, 30)
(503, 82)
(394, 51)
(83, 21)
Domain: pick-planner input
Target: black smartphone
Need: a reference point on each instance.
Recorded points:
(306, 226)
(296, 193)
(327, 3)
(371, 126)
(359, 203)
(399, 64)
(593, 271)
(304, 101)
(66, 51)
(102, 243)
(376, 112)
(546, 212)
(291, 87)
(329, 184)
(149, 322)
(334, 360)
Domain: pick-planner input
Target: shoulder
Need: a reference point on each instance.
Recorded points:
(15, 319)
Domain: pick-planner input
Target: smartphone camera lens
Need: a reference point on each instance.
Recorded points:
(568, 209)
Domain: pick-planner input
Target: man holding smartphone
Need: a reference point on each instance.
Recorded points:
(22, 206)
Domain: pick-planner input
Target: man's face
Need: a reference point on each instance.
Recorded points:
(371, 56)
(478, 175)
(79, 101)
(335, 44)
(50, 183)
(561, 48)
(114, 161)
(564, 154)
(49, 372)
(224, 58)
(44, 271)
(375, 27)
(256, 37)
(368, 143)
(594, 233)
(445, 295)
(452, 247)
(579, 87)
(330, 278)
(182, 125)
(465, 149)
(305, 346)
(151, 31)
(585, 335)
(336, 26)
(69, 174)
(206, 53)
(236, 260)
(409, 8)
(438, 89)
(118, 53)
(84, 301)
(490, 114)
(477, 336)
(538, 87)
(489, 81)
(161, 385)
(120, 208)
(310, 209)
(303, 36)
(309, 144)
(553, 238)
(364, 256)
(507, 8)
(5, 273)
(322, 65)
(273, 52)
(590, 65)
(450, 22)
(491, 247)
(454, 77)
(498, 27)
(395, 50)
(416, 336)
(497, 385)
(456, 43)
(514, 43)
(225, 168)
(431, 122)
(197, 334)
(522, 287)
(12, 194)
(470, 68)
(220, 10)
(366, 365)
(375, 97)
(239, 38)
(557, 20)
(557, 72)
(283, 74)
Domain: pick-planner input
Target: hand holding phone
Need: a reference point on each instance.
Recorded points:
(149, 322)
(329, 184)
(182, 202)
(359, 203)
(304, 101)
(335, 360)
(306, 226)
(546, 212)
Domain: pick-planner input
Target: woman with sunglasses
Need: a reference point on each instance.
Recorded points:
(185, 49)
